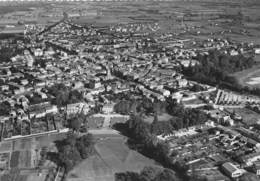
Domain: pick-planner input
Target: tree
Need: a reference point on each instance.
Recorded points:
(162, 153)
(123, 107)
(6, 54)
(162, 127)
(134, 107)
(71, 150)
(74, 97)
(56, 88)
(176, 122)
(75, 123)
(61, 94)
(69, 157)
(85, 145)
(70, 140)
(166, 175)
(5, 108)
(149, 173)
(197, 88)
(127, 176)
(140, 129)
(215, 68)
(154, 124)
(62, 98)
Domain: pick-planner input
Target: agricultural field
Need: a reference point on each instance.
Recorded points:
(5, 147)
(10, 9)
(97, 21)
(24, 156)
(112, 155)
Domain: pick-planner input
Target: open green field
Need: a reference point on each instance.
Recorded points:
(21, 159)
(169, 16)
(161, 117)
(257, 58)
(10, 9)
(34, 176)
(249, 77)
(97, 21)
(112, 155)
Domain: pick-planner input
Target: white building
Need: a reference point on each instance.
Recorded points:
(75, 108)
(232, 170)
(108, 108)
(257, 50)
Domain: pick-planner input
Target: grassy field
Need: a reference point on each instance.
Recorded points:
(257, 58)
(15, 159)
(9, 9)
(247, 77)
(25, 159)
(161, 117)
(35, 176)
(112, 155)
(22, 144)
(5, 147)
(21, 159)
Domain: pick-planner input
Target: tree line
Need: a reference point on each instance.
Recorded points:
(142, 139)
(215, 68)
(147, 174)
(72, 150)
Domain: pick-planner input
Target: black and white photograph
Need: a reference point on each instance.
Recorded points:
(129, 90)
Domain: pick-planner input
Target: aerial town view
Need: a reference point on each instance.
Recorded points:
(130, 90)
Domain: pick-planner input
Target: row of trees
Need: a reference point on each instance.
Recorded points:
(75, 122)
(181, 117)
(142, 139)
(72, 150)
(147, 174)
(144, 105)
(216, 67)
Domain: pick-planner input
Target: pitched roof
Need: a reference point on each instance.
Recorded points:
(230, 167)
